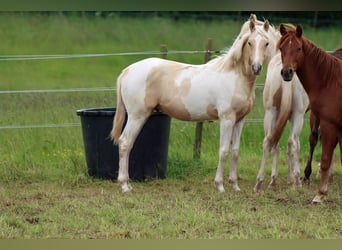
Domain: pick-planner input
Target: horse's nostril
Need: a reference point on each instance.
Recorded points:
(282, 72)
(291, 71)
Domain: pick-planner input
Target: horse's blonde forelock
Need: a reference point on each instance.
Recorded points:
(289, 27)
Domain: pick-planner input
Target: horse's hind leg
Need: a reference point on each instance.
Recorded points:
(261, 173)
(314, 125)
(340, 143)
(274, 174)
(329, 141)
(293, 148)
(126, 142)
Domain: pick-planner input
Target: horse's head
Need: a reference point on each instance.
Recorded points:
(256, 47)
(255, 44)
(291, 48)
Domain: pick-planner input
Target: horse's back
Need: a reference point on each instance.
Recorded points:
(139, 69)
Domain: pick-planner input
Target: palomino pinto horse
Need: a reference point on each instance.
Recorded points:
(320, 75)
(282, 102)
(222, 89)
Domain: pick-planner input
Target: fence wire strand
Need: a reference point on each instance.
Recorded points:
(67, 56)
(34, 91)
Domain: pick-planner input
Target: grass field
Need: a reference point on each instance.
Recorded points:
(45, 191)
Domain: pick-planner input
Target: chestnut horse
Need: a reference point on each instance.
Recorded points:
(320, 75)
(313, 138)
(222, 89)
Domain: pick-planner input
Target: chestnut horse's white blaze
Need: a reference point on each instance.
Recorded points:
(222, 89)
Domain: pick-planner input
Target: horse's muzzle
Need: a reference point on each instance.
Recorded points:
(256, 68)
(287, 74)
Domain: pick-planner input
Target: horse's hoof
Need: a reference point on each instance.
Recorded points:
(219, 187)
(299, 185)
(306, 180)
(318, 199)
(234, 184)
(272, 186)
(258, 186)
(126, 187)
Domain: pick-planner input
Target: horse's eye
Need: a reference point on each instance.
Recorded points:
(267, 44)
(249, 44)
(299, 49)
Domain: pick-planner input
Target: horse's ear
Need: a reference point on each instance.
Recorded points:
(282, 29)
(252, 18)
(299, 31)
(252, 26)
(266, 25)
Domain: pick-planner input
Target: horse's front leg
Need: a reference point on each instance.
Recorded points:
(236, 134)
(329, 141)
(226, 129)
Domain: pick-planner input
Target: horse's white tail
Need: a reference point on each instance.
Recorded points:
(284, 113)
(120, 114)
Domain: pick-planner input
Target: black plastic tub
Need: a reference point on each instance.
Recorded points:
(148, 158)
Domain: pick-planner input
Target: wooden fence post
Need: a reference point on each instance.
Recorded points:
(199, 125)
(163, 50)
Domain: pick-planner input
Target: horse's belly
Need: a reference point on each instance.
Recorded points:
(182, 112)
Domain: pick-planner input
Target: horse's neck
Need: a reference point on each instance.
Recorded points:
(311, 69)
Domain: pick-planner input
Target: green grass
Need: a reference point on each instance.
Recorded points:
(167, 209)
(45, 191)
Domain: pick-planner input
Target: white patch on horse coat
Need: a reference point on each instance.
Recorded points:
(201, 94)
(258, 39)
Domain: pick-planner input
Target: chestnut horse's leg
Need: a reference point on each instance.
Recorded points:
(329, 140)
(126, 142)
(226, 130)
(236, 135)
(314, 126)
(340, 143)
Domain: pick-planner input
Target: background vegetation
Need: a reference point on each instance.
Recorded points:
(45, 191)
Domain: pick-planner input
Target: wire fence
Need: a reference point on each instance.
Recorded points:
(36, 91)
(94, 89)
(68, 56)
